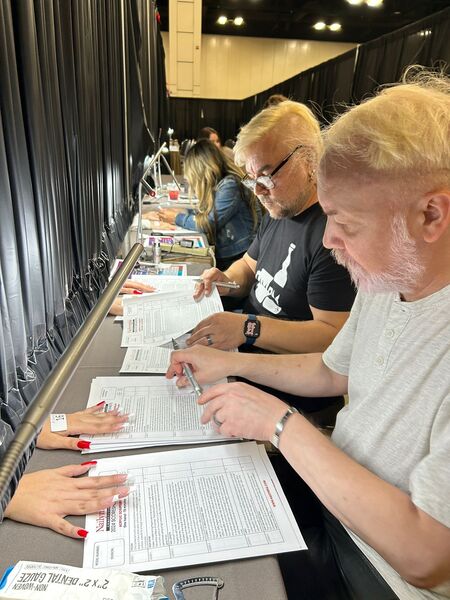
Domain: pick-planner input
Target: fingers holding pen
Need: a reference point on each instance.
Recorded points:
(207, 364)
(206, 285)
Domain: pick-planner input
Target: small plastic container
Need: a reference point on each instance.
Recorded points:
(173, 194)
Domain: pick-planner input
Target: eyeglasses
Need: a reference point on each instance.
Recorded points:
(266, 181)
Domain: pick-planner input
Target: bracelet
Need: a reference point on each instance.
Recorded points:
(58, 422)
(281, 425)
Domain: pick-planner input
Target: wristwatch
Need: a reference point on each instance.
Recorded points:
(281, 424)
(252, 328)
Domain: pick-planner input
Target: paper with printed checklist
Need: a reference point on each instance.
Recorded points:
(167, 283)
(154, 319)
(151, 359)
(192, 506)
(148, 359)
(162, 414)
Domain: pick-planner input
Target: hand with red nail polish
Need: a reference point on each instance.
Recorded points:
(129, 287)
(89, 421)
(45, 498)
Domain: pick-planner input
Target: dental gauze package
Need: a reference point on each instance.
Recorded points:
(47, 581)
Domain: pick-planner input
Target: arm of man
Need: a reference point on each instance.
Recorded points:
(226, 330)
(299, 337)
(300, 374)
(415, 544)
(241, 271)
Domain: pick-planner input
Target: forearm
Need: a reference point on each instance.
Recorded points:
(299, 374)
(243, 274)
(295, 336)
(186, 220)
(378, 512)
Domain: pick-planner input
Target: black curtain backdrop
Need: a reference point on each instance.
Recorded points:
(188, 115)
(63, 204)
(328, 87)
(384, 59)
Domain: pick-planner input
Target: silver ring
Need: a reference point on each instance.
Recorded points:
(209, 339)
(216, 421)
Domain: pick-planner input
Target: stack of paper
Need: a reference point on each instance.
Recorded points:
(154, 319)
(160, 414)
(192, 506)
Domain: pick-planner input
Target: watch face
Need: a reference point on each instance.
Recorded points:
(251, 329)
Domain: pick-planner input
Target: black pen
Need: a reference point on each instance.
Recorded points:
(189, 374)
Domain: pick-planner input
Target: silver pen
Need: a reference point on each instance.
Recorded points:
(189, 374)
(232, 285)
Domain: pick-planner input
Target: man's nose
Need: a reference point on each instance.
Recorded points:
(330, 239)
(261, 190)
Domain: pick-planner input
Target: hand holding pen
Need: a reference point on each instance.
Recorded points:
(189, 374)
(231, 285)
(214, 277)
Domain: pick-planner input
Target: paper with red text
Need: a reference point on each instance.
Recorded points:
(192, 506)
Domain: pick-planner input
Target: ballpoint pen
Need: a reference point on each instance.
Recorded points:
(225, 284)
(189, 374)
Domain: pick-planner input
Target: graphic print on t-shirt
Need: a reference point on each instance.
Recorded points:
(265, 292)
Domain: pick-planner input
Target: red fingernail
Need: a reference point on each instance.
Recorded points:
(100, 403)
(89, 462)
(137, 292)
(82, 533)
(83, 445)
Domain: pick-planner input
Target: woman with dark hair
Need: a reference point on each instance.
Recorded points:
(228, 213)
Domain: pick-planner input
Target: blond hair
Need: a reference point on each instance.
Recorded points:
(404, 129)
(205, 165)
(297, 125)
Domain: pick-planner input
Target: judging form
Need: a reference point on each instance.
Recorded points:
(146, 359)
(161, 414)
(192, 506)
(153, 319)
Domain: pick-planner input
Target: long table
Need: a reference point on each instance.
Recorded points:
(254, 579)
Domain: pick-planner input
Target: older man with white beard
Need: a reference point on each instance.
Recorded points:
(382, 483)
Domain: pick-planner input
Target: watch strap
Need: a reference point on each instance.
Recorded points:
(281, 425)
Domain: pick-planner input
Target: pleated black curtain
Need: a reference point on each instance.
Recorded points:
(326, 88)
(384, 60)
(65, 201)
(189, 115)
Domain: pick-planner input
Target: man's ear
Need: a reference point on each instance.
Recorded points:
(435, 215)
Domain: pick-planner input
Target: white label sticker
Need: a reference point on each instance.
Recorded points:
(58, 422)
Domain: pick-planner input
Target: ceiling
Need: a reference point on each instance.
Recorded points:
(294, 19)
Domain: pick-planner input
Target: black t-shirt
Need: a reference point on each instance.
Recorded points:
(295, 271)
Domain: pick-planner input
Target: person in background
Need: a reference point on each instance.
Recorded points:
(228, 213)
(274, 99)
(377, 494)
(208, 133)
(229, 144)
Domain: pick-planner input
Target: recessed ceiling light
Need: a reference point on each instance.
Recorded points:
(238, 21)
(374, 3)
(222, 20)
(334, 27)
(319, 26)
(355, 2)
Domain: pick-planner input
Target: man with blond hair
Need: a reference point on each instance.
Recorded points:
(383, 482)
(298, 297)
